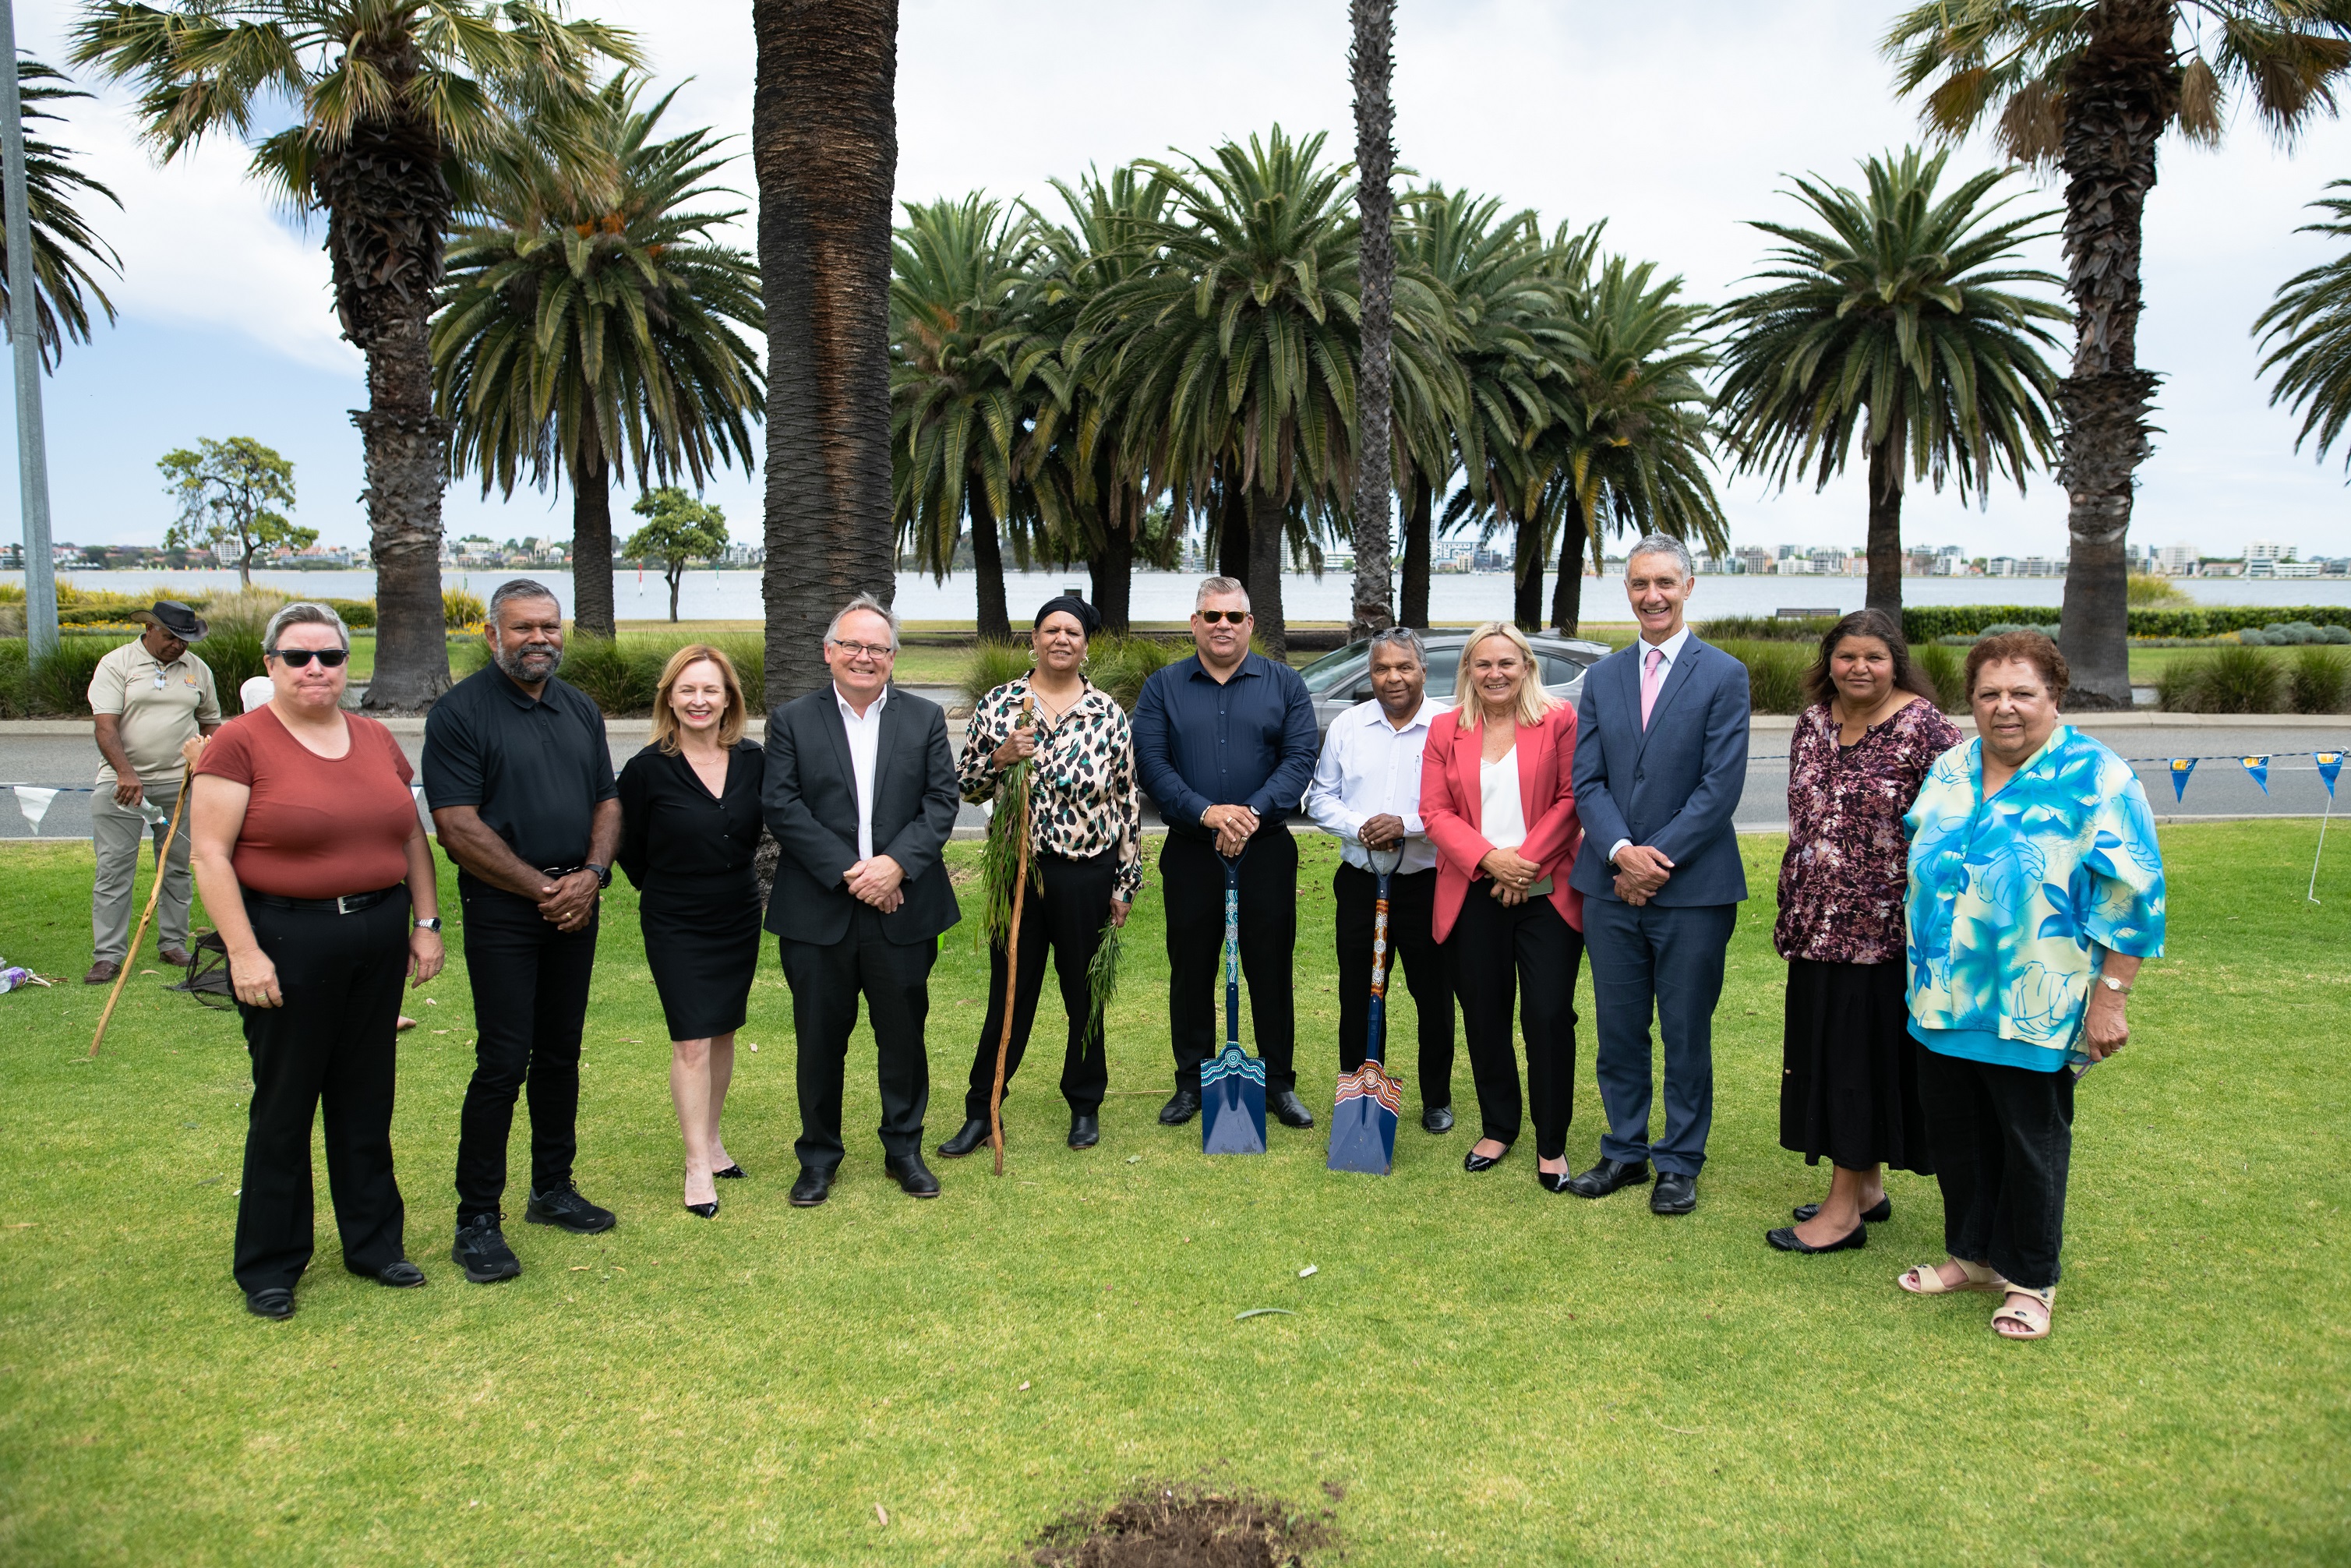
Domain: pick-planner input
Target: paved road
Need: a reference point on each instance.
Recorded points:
(2218, 787)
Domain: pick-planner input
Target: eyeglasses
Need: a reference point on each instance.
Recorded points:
(300, 658)
(1212, 616)
(867, 650)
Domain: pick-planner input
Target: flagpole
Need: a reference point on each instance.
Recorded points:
(2329, 816)
(25, 338)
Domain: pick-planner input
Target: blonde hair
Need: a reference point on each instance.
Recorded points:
(1533, 701)
(730, 722)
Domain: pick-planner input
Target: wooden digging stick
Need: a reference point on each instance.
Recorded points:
(1011, 961)
(163, 865)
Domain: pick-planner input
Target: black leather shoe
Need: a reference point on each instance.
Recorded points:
(1085, 1129)
(707, 1211)
(970, 1137)
(732, 1172)
(1474, 1161)
(482, 1251)
(1437, 1119)
(1289, 1109)
(1608, 1176)
(1675, 1194)
(1551, 1181)
(566, 1207)
(402, 1275)
(1877, 1213)
(912, 1175)
(276, 1303)
(1786, 1239)
(812, 1188)
(1182, 1108)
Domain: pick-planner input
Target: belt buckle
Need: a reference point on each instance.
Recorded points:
(342, 901)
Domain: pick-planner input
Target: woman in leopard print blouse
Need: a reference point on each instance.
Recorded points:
(1086, 840)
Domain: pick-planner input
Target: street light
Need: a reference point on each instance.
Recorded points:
(25, 338)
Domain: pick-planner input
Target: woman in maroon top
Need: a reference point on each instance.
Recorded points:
(311, 857)
(1850, 1087)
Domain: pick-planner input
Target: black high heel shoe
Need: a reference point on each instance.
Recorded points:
(1474, 1161)
(1553, 1181)
(732, 1172)
(707, 1211)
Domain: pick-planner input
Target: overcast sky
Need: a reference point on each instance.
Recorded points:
(1675, 123)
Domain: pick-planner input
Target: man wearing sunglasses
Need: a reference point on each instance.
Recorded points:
(1225, 745)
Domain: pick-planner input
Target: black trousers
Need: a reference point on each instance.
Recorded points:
(1528, 955)
(1066, 911)
(1413, 953)
(330, 1046)
(827, 978)
(2002, 1141)
(530, 999)
(1192, 880)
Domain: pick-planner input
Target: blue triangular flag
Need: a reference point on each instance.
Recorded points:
(2181, 766)
(2259, 767)
(2330, 763)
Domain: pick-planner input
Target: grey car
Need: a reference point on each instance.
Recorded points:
(1337, 682)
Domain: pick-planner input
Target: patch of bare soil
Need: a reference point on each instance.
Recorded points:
(1185, 1527)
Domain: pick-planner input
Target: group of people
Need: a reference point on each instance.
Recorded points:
(1962, 921)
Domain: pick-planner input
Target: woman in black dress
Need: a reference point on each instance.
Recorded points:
(689, 828)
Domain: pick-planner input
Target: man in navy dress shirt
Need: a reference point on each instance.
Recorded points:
(1225, 743)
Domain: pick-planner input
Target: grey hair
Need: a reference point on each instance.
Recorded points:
(303, 614)
(1663, 544)
(516, 588)
(1217, 588)
(1403, 637)
(871, 606)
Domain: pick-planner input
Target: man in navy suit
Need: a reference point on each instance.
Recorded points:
(1660, 759)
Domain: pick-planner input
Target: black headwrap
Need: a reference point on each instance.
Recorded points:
(1088, 617)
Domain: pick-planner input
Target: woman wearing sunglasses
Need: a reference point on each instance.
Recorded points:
(311, 858)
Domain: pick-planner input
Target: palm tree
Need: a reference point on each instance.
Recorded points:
(591, 327)
(391, 103)
(2307, 331)
(824, 138)
(958, 411)
(66, 249)
(1896, 320)
(2090, 87)
(1372, 63)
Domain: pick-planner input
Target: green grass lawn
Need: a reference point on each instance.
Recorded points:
(1488, 1374)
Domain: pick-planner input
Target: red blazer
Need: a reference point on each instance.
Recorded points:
(1451, 804)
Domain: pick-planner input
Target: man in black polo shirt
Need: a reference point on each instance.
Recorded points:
(519, 777)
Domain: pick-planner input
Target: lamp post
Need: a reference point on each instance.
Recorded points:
(25, 340)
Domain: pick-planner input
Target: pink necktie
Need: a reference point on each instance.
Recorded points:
(1653, 677)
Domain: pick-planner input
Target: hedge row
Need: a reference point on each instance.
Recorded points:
(1925, 622)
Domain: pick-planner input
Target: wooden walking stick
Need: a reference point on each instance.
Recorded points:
(1011, 947)
(188, 754)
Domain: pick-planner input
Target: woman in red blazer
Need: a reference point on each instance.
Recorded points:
(1496, 797)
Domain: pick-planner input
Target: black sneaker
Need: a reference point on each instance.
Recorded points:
(566, 1207)
(482, 1251)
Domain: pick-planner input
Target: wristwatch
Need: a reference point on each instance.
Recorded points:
(431, 924)
(604, 874)
(2113, 985)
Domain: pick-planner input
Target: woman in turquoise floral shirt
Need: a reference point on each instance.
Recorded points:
(2035, 890)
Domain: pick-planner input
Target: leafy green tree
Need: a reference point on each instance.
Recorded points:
(590, 326)
(1898, 320)
(2090, 87)
(383, 109)
(228, 493)
(678, 529)
(2306, 331)
(67, 252)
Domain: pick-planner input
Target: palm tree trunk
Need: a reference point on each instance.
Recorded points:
(824, 143)
(1567, 593)
(1112, 576)
(1525, 595)
(592, 550)
(1233, 534)
(1885, 590)
(1373, 65)
(1418, 529)
(1268, 538)
(987, 566)
(2119, 95)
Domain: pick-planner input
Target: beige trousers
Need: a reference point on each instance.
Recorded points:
(116, 832)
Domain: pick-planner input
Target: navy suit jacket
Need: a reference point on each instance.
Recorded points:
(1673, 786)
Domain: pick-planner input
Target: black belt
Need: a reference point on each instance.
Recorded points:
(349, 904)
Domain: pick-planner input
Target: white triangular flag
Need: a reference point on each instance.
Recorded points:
(34, 802)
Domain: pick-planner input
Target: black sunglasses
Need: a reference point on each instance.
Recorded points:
(1213, 616)
(300, 658)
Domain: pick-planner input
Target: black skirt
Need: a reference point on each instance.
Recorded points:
(701, 941)
(1849, 1088)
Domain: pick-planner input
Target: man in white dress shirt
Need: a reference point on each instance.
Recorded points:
(1367, 792)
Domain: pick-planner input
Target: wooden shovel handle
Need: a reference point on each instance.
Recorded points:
(162, 866)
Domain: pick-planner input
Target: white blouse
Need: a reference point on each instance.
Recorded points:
(1502, 823)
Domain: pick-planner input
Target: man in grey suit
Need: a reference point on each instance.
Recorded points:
(861, 796)
(1660, 759)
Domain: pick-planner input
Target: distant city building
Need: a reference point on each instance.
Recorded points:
(2266, 550)
(2178, 560)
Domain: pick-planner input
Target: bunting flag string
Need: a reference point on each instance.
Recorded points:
(2330, 763)
(2181, 766)
(2259, 767)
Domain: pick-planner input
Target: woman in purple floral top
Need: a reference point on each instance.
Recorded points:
(1850, 1086)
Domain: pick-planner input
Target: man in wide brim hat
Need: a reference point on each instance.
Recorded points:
(149, 697)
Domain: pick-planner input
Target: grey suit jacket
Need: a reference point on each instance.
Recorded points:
(1672, 785)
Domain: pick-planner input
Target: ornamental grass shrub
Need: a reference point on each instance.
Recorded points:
(2319, 680)
(1118, 664)
(54, 688)
(1775, 672)
(2224, 680)
(1766, 628)
(1948, 670)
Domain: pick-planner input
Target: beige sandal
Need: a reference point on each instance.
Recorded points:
(1927, 1279)
(2030, 1315)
